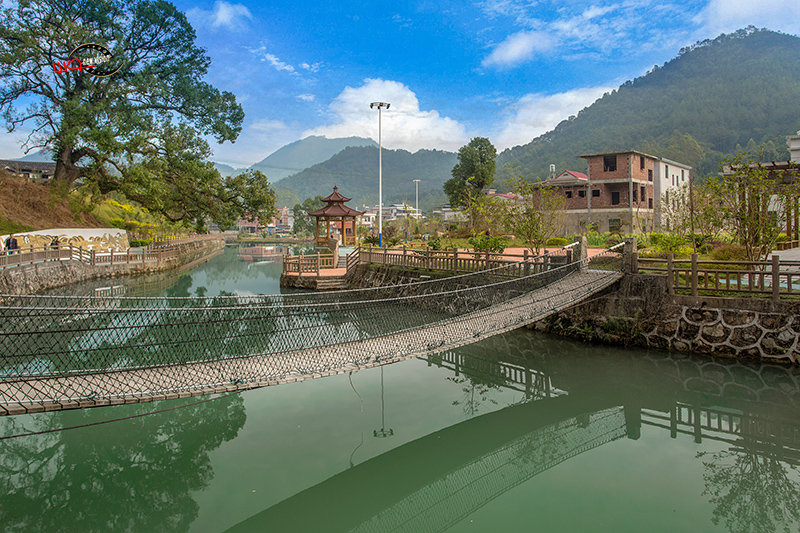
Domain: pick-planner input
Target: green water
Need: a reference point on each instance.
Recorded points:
(522, 432)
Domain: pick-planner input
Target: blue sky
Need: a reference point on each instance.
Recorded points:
(505, 69)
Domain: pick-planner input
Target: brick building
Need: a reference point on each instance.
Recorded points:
(621, 192)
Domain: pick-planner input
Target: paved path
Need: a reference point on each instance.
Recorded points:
(241, 373)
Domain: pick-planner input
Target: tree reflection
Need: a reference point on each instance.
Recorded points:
(751, 490)
(135, 475)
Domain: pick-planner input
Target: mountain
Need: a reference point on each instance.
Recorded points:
(355, 171)
(40, 156)
(716, 96)
(227, 170)
(304, 153)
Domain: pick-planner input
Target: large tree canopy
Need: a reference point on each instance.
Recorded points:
(473, 172)
(137, 130)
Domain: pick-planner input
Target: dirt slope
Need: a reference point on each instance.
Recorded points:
(33, 205)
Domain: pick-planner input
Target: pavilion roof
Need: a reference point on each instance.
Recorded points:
(335, 207)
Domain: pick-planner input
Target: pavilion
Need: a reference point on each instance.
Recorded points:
(339, 214)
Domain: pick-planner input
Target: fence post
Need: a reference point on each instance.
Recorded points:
(670, 274)
(526, 268)
(694, 275)
(405, 264)
(112, 256)
(630, 260)
(93, 257)
(318, 260)
(776, 277)
(70, 251)
(455, 260)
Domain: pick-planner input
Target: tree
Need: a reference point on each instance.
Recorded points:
(473, 172)
(536, 214)
(752, 200)
(303, 222)
(111, 132)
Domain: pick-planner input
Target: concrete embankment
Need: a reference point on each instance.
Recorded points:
(638, 311)
(33, 278)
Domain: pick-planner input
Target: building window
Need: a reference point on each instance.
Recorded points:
(568, 194)
(609, 163)
(650, 203)
(614, 197)
(635, 197)
(614, 225)
(649, 174)
(643, 195)
(582, 193)
(595, 193)
(683, 175)
(641, 162)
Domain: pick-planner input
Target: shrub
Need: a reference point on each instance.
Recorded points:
(557, 241)
(488, 244)
(729, 252)
(136, 243)
(371, 239)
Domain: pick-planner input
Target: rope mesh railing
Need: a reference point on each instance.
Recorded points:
(86, 349)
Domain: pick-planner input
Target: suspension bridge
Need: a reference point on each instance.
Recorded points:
(77, 352)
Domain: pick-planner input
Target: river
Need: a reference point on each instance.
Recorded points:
(521, 432)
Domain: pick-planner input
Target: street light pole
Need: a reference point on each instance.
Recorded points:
(416, 186)
(380, 106)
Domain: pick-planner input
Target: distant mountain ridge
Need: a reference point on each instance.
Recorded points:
(40, 156)
(738, 90)
(300, 155)
(355, 171)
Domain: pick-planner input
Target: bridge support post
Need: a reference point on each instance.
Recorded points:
(630, 257)
(582, 253)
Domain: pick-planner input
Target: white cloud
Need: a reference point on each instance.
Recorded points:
(311, 67)
(222, 15)
(534, 114)
(306, 97)
(228, 15)
(268, 125)
(518, 47)
(404, 125)
(273, 60)
(727, 15)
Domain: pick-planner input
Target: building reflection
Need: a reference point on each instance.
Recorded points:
(571, 405)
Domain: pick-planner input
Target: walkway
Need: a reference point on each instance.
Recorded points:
(109, 387)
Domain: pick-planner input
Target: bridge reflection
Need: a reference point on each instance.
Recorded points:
(571, 405)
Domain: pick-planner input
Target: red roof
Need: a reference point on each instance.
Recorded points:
(335, 207)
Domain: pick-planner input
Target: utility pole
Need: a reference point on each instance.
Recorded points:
(380, 106)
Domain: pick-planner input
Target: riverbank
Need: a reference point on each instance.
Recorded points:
(40, 276)
(638, 311)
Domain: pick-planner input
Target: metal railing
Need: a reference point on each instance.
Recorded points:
(774, 277)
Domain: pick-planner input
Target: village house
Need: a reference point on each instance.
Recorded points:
(621, 192)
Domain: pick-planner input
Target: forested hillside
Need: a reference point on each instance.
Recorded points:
(716, 96)
(304, 153)
(355, 171)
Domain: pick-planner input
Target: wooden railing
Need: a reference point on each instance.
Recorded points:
(28, 255)
(787, 245)
(304, 264)
(456, 261)
(774, 277)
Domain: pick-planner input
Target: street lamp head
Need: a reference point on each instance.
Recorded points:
(379, 105)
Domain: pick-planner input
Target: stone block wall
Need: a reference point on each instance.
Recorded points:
(638, 311)
(30, 279)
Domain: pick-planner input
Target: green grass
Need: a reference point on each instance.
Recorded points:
(8, 226)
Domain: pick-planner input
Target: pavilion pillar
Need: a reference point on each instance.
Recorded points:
(316, 233)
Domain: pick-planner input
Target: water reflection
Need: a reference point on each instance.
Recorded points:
(135, 475)
(573, 404)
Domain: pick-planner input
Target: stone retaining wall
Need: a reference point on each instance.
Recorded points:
(638, 311)
(30, 279)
